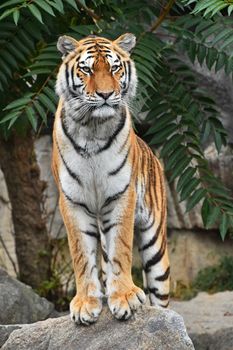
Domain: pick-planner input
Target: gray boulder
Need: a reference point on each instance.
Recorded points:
(150, 329)
(209, 320)
(19, 303)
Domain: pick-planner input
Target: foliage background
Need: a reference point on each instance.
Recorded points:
(180, 117)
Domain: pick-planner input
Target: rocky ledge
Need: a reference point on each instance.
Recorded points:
(150, 329)
(209, 320)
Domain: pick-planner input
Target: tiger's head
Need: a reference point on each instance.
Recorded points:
(97, 76)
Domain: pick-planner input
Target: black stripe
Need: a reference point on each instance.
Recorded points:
(71, 173)
(94, 225)
(93, 268)
(107, 212)
(105, 256)
(114, 172)
(116, 196)
(72, 77)
(158, 295)
(108, 228)
(114, 135)
(91, 233)
(154, 238)
(129, 71)
(150, 243)
(80, 150)
(67, 74)
(148, 227)
(83, 205)
(165, 276)
(156, 258)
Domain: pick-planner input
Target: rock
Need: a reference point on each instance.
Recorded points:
(209, 320)
(5, 331)
(151, 329)
(19, 303)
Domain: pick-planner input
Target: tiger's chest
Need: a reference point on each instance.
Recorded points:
(90, 176)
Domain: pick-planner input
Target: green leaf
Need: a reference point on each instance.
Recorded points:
(12, 122)
(224, 226)
(57, 4)
(45, 6)
(212, 217)
(163, 134)
(160, 123)
(222, 35)
(180, 166)
(201, 54)
(73, 4)
(217, 140)
(205, 210)
(40, 111)
(195, 198)
(229, 10)
(226, 43)
(9, 116)
(16, 15)
(189, 188)
(171, 144)
(211, 57)
(47, 103)
(19, 102)
(11, 2)
(176, 155)
(221, 61)
(31, 117)
(51, 94)
(6, 13)
(185, 177)
(36, 12)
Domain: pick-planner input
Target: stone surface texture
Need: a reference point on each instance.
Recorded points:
(151, 329)
(209, 320)
(19, 303)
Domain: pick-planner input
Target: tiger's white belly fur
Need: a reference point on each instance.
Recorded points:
(93, 171)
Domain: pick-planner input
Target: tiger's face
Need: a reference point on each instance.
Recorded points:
(97, 76)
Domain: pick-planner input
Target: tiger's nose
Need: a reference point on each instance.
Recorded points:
(105, 95)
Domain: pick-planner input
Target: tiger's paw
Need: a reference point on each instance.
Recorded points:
(124, 304)
(85, 310)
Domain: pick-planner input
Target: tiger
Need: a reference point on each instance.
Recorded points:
(111, 185)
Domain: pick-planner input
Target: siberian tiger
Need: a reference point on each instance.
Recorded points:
(110, 182)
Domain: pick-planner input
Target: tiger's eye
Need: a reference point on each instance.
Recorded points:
(114, 68)
(86, 69)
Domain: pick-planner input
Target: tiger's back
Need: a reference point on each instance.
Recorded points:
(109, 180)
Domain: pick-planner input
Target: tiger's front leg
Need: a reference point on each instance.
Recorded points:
(123, 296)
(82, 237)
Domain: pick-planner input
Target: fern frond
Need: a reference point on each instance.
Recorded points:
(210, 7)
(207, 40)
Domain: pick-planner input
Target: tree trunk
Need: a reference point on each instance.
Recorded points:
(22, 175)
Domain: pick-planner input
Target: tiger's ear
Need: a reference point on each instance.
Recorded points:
(66, 44)
(126, 42)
